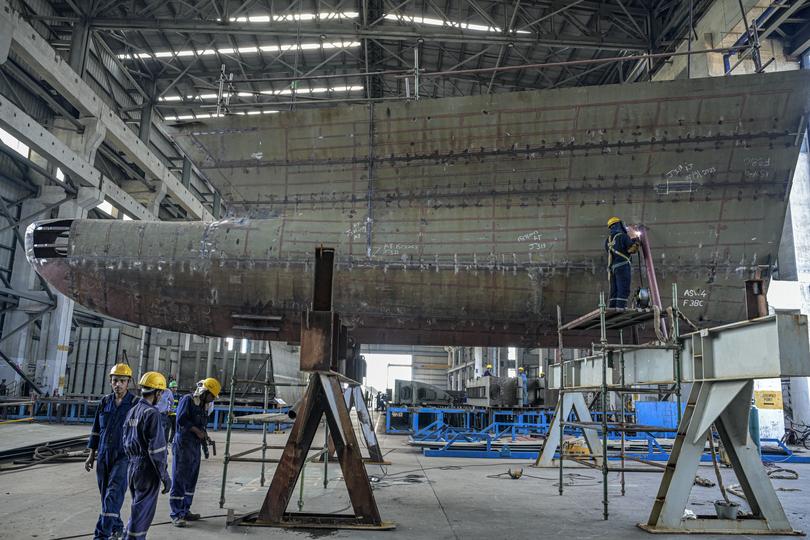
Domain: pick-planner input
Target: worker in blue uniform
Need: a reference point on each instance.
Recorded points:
(172, 411)
(524, 385)
(192, 419)
(107, 452)
(145, 445)
(164, 406)
(620, 247)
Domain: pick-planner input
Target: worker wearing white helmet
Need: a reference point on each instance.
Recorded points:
(191, 435)
(107, 452)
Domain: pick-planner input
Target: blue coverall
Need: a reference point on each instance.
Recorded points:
(525, 380)
(186, 450)
(145, 445)
(618, 245)
(111, 462)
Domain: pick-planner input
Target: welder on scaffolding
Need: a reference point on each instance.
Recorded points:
(620, 247)
(145, 445)
(192, 419)
(107, 452)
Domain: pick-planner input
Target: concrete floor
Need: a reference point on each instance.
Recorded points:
(430, 498)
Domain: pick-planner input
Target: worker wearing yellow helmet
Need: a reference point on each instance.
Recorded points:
(620, 247)
(190, 439)
(145, 444)
(107, 452)
(488, 371)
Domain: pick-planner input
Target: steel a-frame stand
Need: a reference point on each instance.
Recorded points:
(568, 403)
(726, 404)
(320, 336)
(353, 396)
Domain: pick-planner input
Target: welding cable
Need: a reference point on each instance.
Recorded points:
(779, 473)
(90, 535)
(570, 479)
(43, 455)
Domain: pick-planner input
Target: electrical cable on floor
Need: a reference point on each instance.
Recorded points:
(153, 525)
(43, 455)
(569, 482)
(780, 473)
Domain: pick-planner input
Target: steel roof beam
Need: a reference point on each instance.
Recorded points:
(35, 51)
(346, 32)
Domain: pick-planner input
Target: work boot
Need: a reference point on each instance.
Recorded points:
(192, 516)
(179, 522)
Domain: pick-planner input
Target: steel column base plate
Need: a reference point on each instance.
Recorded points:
(307, 520)
(712, 525)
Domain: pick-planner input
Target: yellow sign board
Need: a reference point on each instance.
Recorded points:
(768, 399)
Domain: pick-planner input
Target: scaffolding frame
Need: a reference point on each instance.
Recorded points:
(243, 456)
(605, 319)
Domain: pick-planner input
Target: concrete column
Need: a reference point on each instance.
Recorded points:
(209, 365)
(800, 221)
(156, 359)
(58, 331)
(56, 335)
(179, 356)
(24, 279)
(478, 356)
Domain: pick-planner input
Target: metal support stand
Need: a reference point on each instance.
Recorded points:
(353, 396)
(322, 397)
(569, 402)
(726, 404)
(320, 331)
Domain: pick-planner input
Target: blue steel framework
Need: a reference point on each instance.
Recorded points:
(83, 411)
(508, 425)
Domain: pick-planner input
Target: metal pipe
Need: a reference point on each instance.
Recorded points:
(677, 355)
(228, 425)
(652, 280)
(603, 341)
(326, 454)
(264, 410)
(622, 411)
(561, 401)
(209, 364)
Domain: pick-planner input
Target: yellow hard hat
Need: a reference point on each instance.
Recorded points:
(121, 370)
(489, 366)
(520, 368)
(153, 380)
(212, 385)
(613, 220)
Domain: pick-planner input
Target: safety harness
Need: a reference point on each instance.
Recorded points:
(612, 251)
